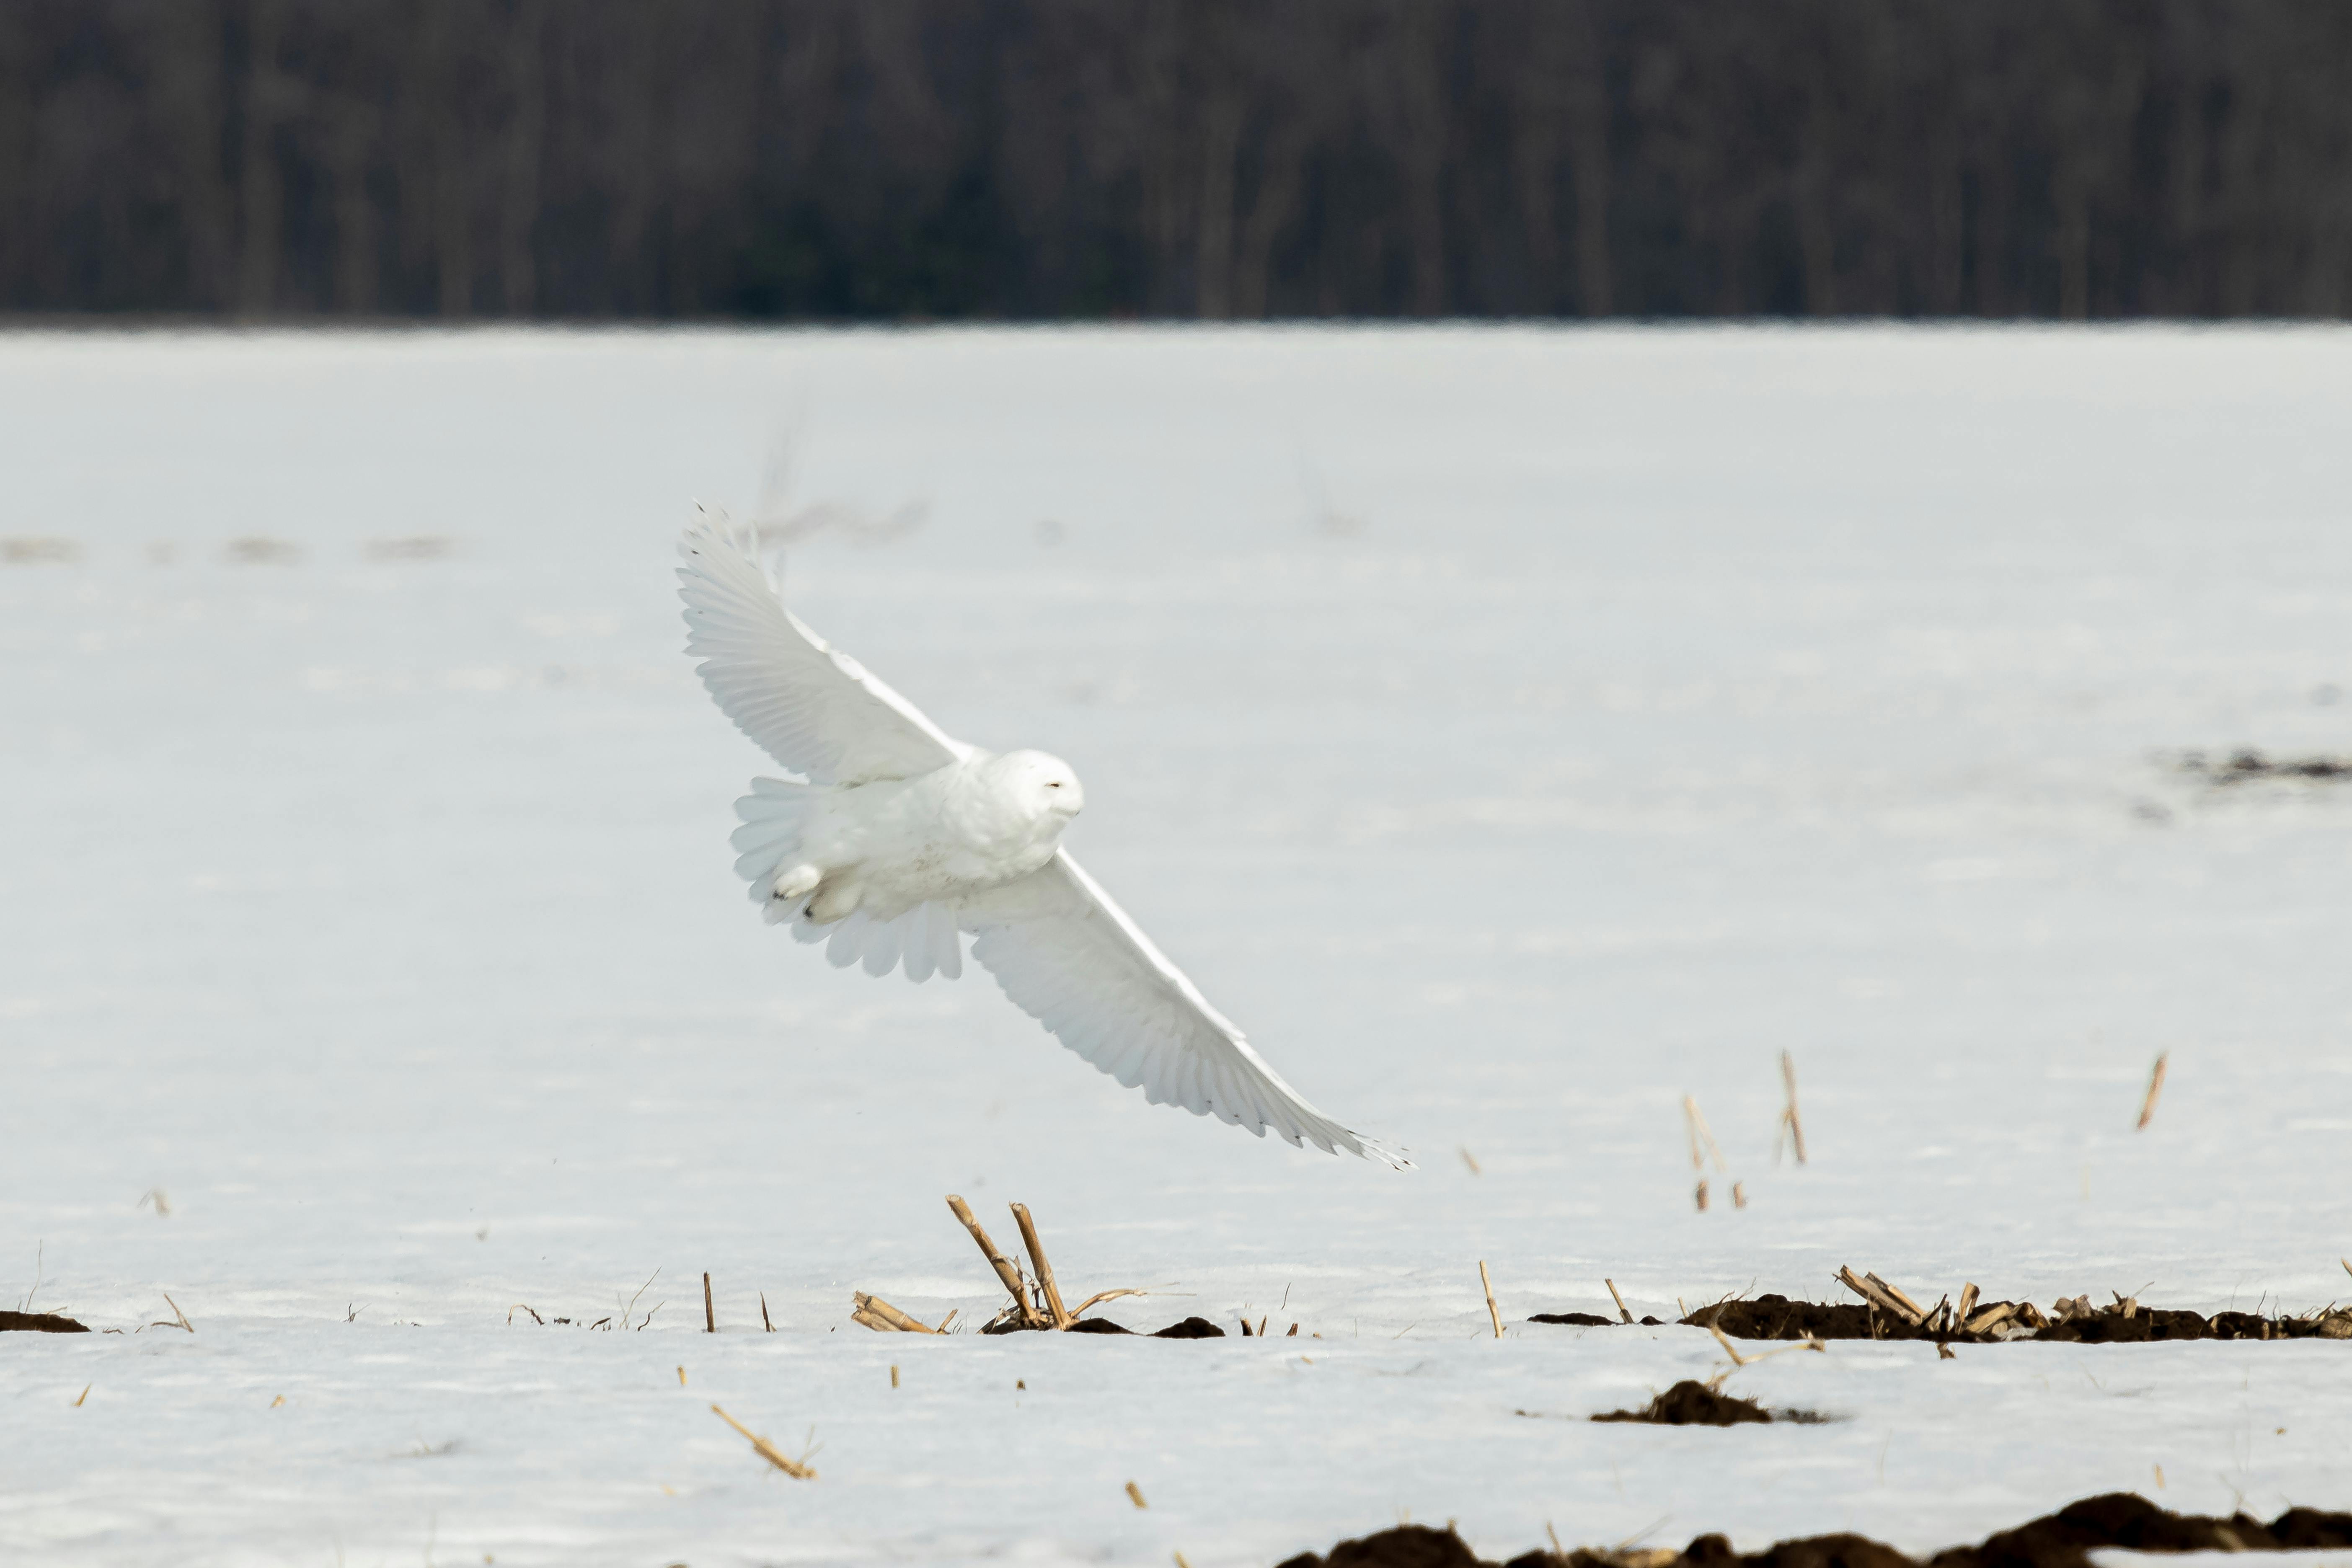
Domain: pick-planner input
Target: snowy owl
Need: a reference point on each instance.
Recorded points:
(894, 839)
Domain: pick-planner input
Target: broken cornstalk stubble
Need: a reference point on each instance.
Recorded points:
(1037, 1307)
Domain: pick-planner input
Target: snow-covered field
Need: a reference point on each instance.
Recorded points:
(1514, 730)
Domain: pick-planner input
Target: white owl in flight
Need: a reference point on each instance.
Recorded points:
(894, 839)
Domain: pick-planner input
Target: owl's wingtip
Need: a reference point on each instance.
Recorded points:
(1382, 1153)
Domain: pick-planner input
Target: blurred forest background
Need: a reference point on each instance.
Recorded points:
(1022, 159)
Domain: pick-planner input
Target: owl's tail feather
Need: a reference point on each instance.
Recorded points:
(923, 940)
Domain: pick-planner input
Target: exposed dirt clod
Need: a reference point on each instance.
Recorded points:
(1690, 1403)
(1406, 1546)
(2061, 1540)
(2074, 1323)
(2245, 766)
(1189, 1329)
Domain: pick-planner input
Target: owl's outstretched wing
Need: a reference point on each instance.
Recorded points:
(1071, 959)
(807, 704)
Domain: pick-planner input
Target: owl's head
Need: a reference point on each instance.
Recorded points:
(1045, 783)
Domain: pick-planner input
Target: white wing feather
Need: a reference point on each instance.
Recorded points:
(1071, 959)
(811, 706)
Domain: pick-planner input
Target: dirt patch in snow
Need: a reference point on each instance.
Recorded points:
(40, 1323)
(1693, 1404)
(2075, 1321)
(1189, 1329)
(2061, 1540)
(2249, 766)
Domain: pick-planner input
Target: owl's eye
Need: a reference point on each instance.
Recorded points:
(1053, 784)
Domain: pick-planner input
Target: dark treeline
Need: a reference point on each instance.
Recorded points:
(1186, 158)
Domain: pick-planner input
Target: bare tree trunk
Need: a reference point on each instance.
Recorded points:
(2326, 281)
(1728, 224)
(2070, 195)
(1946, 227)
(185, 61)
(1213, 230)
(2191, 292)
(1170, 183)
(1539, 84)
(448, 158)
(1280, 179)
(2091, 134)
(20, 225)
(1811, 190)
(352, 139)
(1416, 58)
(2071, 123)
(2318, 161)
(526, 132)
(1995, 193)
(261, 201)
(1884, 152)
(1588, 164)
(2247, 138)
(1816, 235)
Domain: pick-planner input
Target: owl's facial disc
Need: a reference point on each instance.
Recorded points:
(1051, 783)
(1064, 794)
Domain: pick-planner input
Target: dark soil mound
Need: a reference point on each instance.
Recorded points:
(40, 1323)
(1689, 1403)
(2242, 766)
(1778, 1318)
(1586, 1319)
(1406, 1546)
(2110, 1327)
(1191, 1329)
(1819, 1552)
(2120, 1322)
(2061, 1540)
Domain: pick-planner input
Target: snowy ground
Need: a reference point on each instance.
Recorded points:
(1513, 730)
